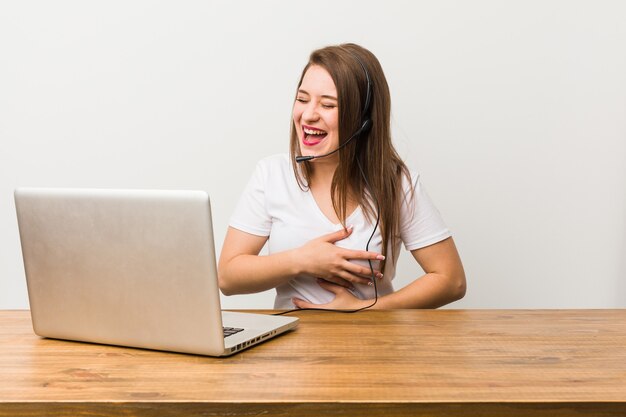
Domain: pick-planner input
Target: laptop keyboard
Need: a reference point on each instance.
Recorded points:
(229, 331)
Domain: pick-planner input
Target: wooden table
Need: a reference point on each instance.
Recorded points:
(390, 363)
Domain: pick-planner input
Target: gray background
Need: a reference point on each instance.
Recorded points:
(513, 112)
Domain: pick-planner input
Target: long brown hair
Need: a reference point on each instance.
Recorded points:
(374, 150)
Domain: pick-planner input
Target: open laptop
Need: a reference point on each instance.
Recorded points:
(132, 268)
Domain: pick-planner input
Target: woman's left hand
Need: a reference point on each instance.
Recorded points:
(344, 299)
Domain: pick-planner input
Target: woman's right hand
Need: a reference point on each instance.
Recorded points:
(323, 259)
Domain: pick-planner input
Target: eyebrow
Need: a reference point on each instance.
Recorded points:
(323, 96)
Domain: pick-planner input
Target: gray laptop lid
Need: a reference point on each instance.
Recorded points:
(124, 267)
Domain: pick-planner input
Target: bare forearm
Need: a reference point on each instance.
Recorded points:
(245, 274)
(243, 271)
(429, 291)
(442, 284)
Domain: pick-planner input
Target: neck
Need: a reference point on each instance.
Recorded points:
(322, 172)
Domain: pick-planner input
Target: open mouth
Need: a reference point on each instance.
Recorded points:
(312, 136)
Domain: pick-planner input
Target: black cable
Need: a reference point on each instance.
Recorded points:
(369, 261)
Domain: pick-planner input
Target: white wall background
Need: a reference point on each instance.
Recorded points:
(514, 113)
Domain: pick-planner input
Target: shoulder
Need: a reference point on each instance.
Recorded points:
(275, 171)
(410, 180)
(274, 162)
(414, 195)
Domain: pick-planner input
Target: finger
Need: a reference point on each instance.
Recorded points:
(361, 254)
(339, 281)
(302, 304)
(362, 271)
(329, 286)
(352, 278)
(338, 235)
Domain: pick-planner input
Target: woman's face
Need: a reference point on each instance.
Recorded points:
(316, 115)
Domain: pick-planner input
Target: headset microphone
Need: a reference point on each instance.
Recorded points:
(366, 125)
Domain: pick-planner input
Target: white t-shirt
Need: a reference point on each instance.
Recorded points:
(274, 205)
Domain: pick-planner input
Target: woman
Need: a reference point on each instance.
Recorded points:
(320, 213)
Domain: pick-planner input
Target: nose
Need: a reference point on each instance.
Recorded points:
(310, 113)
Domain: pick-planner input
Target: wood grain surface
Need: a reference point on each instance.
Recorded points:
(391, 363)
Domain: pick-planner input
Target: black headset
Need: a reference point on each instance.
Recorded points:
(366, 121)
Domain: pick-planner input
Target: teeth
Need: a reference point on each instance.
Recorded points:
(314, 132)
